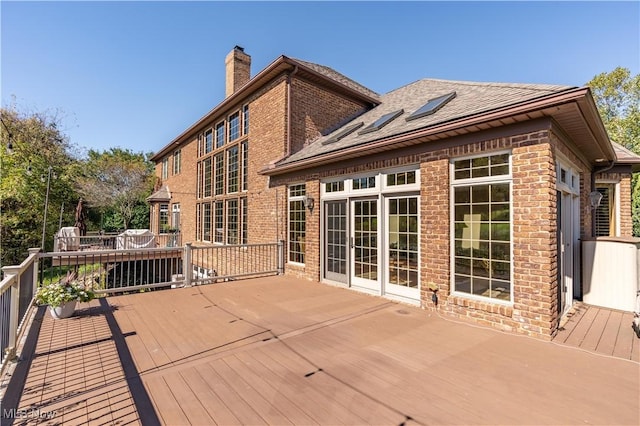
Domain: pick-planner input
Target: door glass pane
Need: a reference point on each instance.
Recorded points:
(402, 239)
(366, 240)
(336, 240)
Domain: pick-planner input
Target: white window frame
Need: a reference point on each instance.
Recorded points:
(454, 183)
(289, 200)
(616, 194)
(177, 161)
(380, 186)
(165, 168)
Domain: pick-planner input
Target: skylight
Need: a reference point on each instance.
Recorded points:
(381, 122)
(343, 133)
(432, 106)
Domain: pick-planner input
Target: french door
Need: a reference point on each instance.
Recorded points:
(568, 244)
(402, 246)
(335, 237)
(363, 241)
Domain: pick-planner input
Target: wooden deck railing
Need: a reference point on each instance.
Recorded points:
(108, 271)
(17, 289)
(221, 263)
(116, 241)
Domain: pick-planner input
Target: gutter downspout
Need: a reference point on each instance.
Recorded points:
(291, 74)
(593, 188)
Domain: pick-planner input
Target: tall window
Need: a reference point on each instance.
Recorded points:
(208, 141)
(232, 170)
(165, 168)
(234, 126)
(245, 119)
(163, 224)
(206, 176)
(482, 226)
(243, 202)
(220, 135)
(232, 221)
(219, 177)
(199, 181)
(297, 223)
(198, 223)
(175, 216)
(245, 165)
(177, 162)
(206, 222)
(219, 222)
(222, 173)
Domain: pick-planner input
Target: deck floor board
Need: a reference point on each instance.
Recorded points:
(277, 350)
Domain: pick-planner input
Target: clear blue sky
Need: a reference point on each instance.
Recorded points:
(136, 74)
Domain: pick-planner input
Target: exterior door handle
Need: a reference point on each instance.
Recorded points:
(351, 245)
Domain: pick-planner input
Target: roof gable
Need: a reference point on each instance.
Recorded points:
(281, 65)
(334, 75)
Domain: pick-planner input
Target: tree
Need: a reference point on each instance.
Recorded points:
(117, 182)
(617, 96)
(37, 145)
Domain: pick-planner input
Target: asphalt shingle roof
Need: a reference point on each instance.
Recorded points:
(471, 98)
(623, 154)
(340, 78)
(162, 194)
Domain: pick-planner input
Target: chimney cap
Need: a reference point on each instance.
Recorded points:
(240, 48)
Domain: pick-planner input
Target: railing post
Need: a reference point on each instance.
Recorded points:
(36, 268)
(187, 270)
(13, 271)
(280, 257)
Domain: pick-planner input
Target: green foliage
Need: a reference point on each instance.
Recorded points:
(57, 293)
(38, 145)
(117, 183)
(617, 95)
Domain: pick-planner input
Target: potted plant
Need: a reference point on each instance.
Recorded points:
(62, 296)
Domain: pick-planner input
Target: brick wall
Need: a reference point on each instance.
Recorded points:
(626, 217)
(316, 110)
(534, 311)
(267, 141)
(534, 243)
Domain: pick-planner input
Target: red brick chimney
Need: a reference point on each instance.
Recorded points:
(238, 66)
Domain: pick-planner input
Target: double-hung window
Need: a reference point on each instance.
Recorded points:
(482, 229)
(208, 141)
(165, 168)
(177, 162)
(297, 223)
(220, 128)
(234, 126)
(163, 224)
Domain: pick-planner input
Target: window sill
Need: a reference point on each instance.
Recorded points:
(494, 306)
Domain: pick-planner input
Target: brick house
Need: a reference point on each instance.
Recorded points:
(477, 192)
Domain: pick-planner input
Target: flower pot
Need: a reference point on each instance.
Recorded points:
(63, 311)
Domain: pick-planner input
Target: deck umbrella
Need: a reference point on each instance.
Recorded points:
(81, 218)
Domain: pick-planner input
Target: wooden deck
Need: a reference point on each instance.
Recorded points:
(283, 351)
(600, 330)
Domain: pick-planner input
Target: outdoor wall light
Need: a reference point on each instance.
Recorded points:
(594, 198)
(309, 202)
